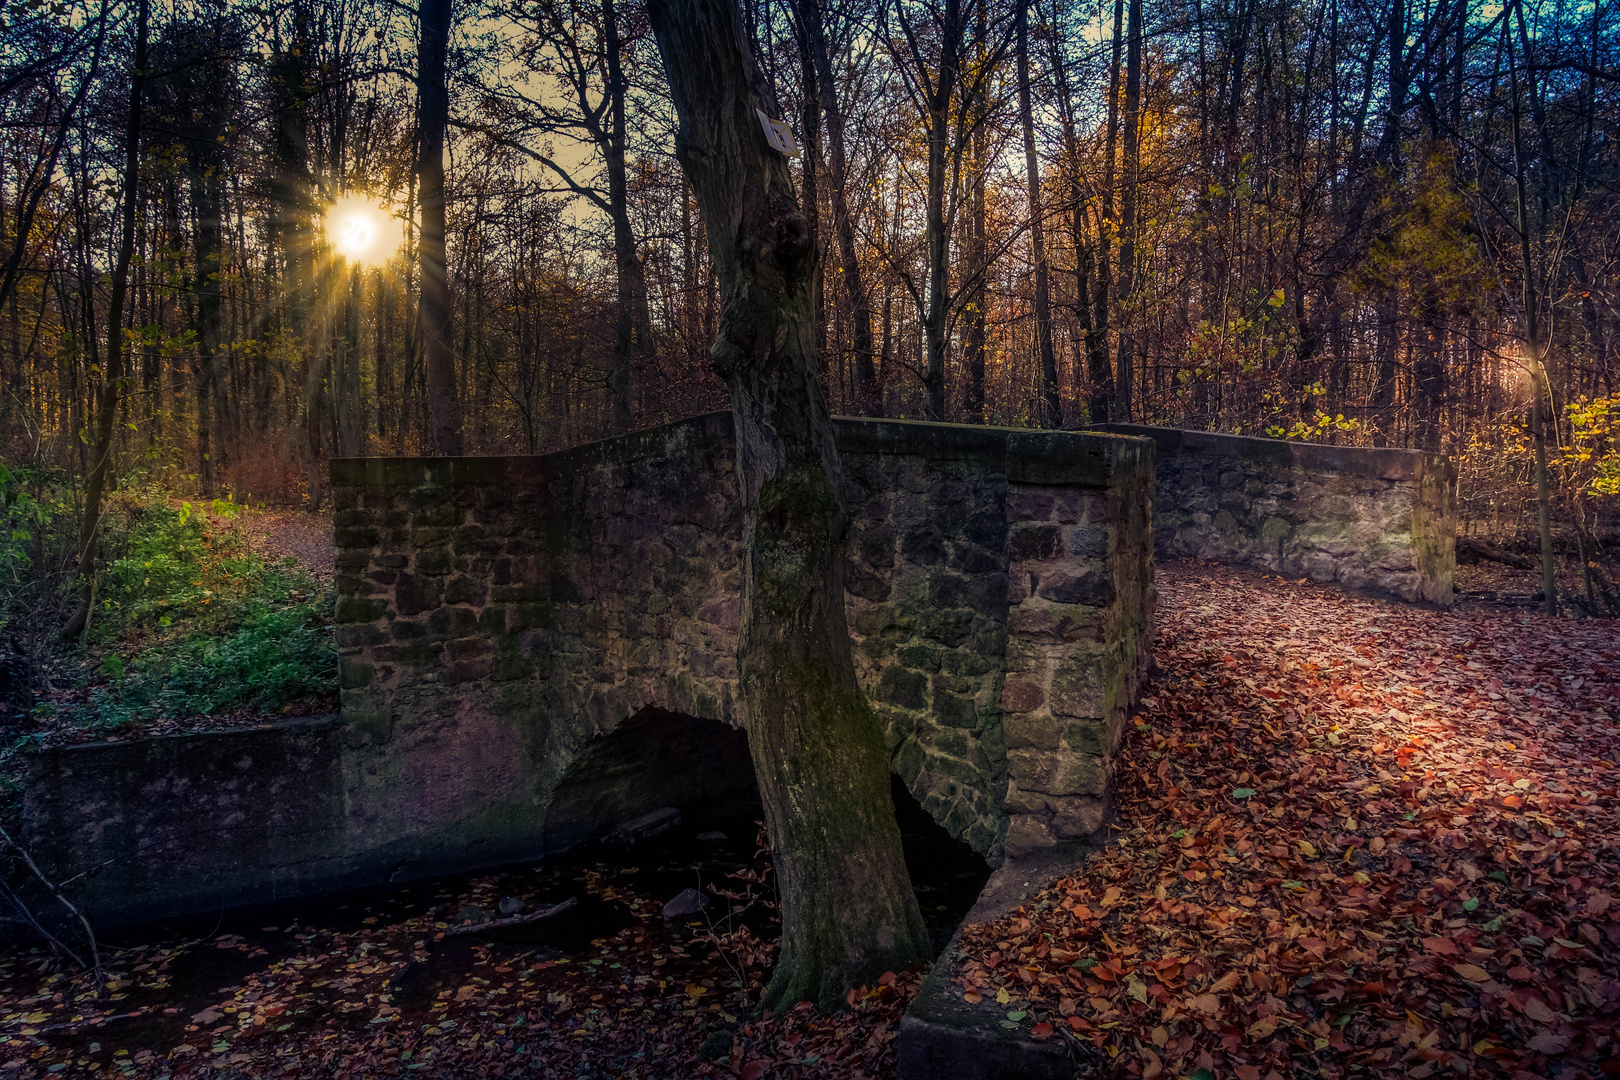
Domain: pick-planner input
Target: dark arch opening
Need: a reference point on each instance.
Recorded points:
(702, 768)
(946, 874)
(655, 759)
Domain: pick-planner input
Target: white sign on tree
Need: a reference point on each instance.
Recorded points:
(779, 135)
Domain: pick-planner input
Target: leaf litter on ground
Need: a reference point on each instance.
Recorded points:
(388, 987)
(1354, 838)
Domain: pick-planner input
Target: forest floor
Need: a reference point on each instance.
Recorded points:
(1352, 835)
(302, 534)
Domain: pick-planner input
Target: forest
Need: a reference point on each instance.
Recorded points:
(1375, 223)
(242, 241)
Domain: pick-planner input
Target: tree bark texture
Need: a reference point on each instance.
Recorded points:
(848, 911)
(434, 107)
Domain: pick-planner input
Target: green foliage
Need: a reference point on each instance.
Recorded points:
(189, 620)
(1428, 253)
(38, 533)
(1593, 457)
(1315, 428)
(277, 654)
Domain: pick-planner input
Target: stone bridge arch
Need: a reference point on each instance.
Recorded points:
(651, 761)
(497, 614)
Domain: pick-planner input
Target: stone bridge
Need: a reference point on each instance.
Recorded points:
(537, 649)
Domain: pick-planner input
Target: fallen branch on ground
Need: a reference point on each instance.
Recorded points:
(1479, 549)
(517, 920)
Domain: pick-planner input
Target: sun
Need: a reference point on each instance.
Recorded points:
(362, 231)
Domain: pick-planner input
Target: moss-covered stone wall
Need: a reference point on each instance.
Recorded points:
(1378, 521)
(518, 635)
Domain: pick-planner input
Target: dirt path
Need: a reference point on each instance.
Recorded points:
(298, 534)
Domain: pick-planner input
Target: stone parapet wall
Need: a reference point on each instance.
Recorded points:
(1001, 598)
(516, 633)
(1379, 521)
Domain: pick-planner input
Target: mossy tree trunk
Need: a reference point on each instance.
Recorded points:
(848, 911)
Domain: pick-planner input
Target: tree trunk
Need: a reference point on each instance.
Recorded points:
(936, 313)
(632, 335)
(207, 200)
(1540, 385)
(860, 299)
(976, 251)
(1132, 184)
(434, 107)
(113, 366)
(848, 911)
(1050, 391)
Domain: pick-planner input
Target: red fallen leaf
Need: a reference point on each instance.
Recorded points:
(1376, 989)
(1537, 1010)
(1513, 801)
(1520, 973)
(1246, 1072)
(1549, 1044)
(753, 1070)
(1440, 945)
(1042, 1030)
(886, 979)
(1079, 1023)
(1471, 972)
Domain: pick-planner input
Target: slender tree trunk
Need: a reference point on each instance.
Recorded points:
(434, 107)
(848, 911)
(1103, 386)
(1051, 392)
(860, 299)
(1132, 188)
(632, 336)
(810, 193)
(936, 314)
(114, 378)
(977, 255)
(207, 199)
(350, 423)
(1540, 385)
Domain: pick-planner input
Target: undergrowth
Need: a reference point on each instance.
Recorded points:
(187, 619)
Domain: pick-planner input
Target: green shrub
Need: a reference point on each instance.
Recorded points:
(277, 654)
